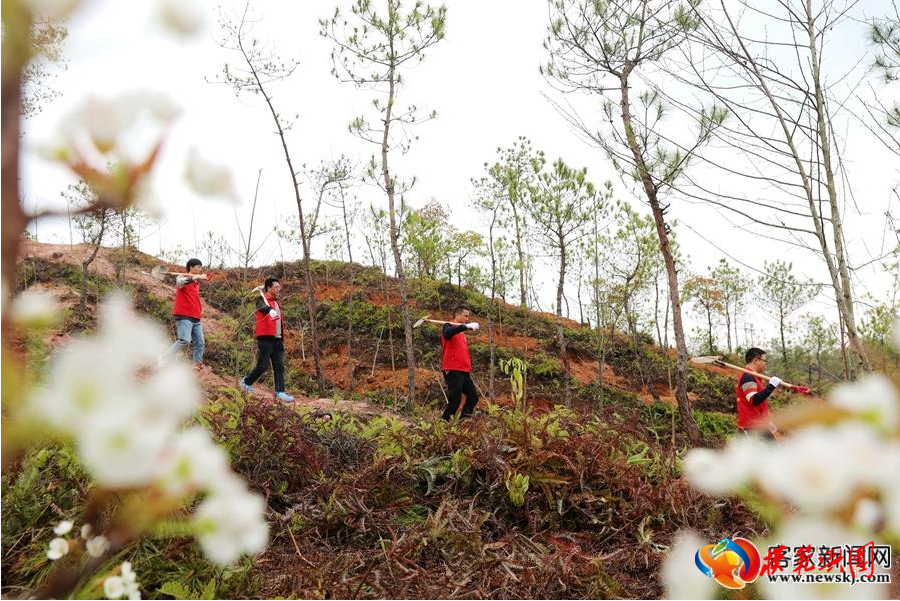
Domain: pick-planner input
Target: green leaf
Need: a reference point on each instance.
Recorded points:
(176, 590)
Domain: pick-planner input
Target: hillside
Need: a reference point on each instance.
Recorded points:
(374, 301)
(366, 502)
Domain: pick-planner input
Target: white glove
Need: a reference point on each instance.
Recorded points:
(273, 314)
(775, 381)
(473, 325)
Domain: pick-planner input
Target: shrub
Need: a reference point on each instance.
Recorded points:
(544, 367)
(46, 486)
(367, 318)
(715, 392)
(270, 444)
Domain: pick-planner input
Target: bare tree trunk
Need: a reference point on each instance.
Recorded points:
(350, 382)
(14, 220)
(737, 342)
(395, 247)
(728, 327)
(494, 307)
(560, 334)
(580, 305)
(848, 375)
(523, 293)
(307, 271)
(87, 263)
(839, 276)
(846, 298)
(601, 347)
(659, 337)
(784, 355)
(684, 405)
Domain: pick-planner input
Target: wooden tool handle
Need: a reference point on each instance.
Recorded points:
(452, 323)
(753, 373)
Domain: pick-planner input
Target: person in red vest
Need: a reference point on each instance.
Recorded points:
(752, 396)
(457, 365)
(269, 340)
(187, 312)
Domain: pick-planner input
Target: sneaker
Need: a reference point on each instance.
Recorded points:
(246, 387)
(283, 396)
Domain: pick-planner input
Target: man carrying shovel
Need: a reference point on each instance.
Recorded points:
(752, 396)
(187, 312)
(269, 340)
(457, 365)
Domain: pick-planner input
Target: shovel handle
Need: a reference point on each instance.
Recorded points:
(792, 387)
(452, 323)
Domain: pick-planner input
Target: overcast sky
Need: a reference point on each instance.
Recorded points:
(482, 80)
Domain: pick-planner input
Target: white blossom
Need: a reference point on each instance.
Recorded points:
(182, 17)
(97, 546)
(128, 574)
(231, 524)
(120, 451)
(156, 105)
(811, 469)
(93, 382)
(207, 178)
(679, 575)
(129, 579)
(53, 9)
(872, 460)
(35, 309)
(170, 395)
(64, 527)
(58, 547)
(148, 200)
(55, 148)
(866, 514)
(135, 339)
(113, 587)
(721, 473)
(193, 462)
(104, 125)
(83, 379)
(872, 398)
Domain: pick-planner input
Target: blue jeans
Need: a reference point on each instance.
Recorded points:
(188, 332)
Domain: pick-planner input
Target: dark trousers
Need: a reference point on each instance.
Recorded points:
(459, 383)
(268, 350)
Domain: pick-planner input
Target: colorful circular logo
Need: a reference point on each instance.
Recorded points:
(732, 563)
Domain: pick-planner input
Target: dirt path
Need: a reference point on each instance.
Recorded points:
(212, 383)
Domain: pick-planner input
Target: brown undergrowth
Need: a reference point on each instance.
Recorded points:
(375, 508)
(365, 503)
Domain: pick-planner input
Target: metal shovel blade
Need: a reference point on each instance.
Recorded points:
(706, 360)
(421, 321)
(159, 272)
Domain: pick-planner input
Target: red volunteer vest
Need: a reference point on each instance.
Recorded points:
(264, 325)
(187, 300)
(749, 416)
(455, 353)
